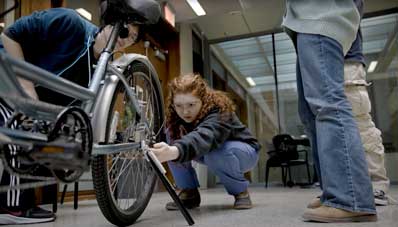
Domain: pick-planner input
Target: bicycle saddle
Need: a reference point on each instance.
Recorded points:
(131, 11)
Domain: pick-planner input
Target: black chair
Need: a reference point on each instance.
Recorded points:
(75, 192)
(285, 155)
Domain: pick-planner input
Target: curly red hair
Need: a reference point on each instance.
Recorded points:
(197, 86)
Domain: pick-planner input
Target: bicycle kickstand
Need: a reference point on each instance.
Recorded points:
(161, 172)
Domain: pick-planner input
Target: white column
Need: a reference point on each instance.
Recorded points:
(251, 124)
(10, 17)
(186, 60)
(186, 55)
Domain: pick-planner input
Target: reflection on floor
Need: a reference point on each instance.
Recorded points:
(274, 206)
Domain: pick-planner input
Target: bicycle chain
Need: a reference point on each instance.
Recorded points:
(43, 181)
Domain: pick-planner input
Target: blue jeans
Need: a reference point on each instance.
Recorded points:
(327, 116)
(229, 163)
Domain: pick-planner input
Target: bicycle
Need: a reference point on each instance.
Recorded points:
(120, 114)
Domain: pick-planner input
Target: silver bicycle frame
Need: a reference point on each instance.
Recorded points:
(96, 98)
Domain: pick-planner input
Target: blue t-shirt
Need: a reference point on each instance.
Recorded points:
(60, 41)
(52, 39)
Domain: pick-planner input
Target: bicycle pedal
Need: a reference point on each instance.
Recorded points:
(61, 154)
(60, 147)
(52, 149)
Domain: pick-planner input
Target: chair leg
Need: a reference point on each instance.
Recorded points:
(290, 173)
(55, 202)
(290, 182)
(308, 173)
(75, 195)
(315, 177)
(266, 175)
(63, 194)
(283, 176)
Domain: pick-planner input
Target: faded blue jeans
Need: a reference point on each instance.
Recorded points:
(327, 116)
(229, 163)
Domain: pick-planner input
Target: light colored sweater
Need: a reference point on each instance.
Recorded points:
(337, 19)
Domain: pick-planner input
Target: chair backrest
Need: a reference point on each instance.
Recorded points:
(285, 146)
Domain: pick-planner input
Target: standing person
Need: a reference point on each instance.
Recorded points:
(60, 41)
(356, 92)
(355, 89)
(202, 126)
(323, 32)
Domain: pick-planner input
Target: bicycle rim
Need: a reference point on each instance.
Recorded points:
(124, 182)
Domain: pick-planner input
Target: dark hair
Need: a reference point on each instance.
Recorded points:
(129, 11)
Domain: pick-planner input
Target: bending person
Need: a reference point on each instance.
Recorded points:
(202, 126)
(62, 42)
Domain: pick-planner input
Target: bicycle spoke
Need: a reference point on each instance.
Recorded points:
(129, 178)
(128, 194)
(113, 164)
(140, 166)
(123, 170)
(117, 178)
(139, 177)
(123, 184)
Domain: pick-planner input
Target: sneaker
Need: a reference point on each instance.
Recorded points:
(33, 215)
(190, 198)
(242, 201)
(380, 198)
(331, 214)
(315, 203)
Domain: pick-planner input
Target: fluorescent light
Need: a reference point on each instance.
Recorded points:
(86, 14)
(195, 5)
(169, 14)
(250, 81)
(372, 66)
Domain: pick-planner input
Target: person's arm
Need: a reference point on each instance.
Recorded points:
(165, 152)
(209, 135)
(14, 49)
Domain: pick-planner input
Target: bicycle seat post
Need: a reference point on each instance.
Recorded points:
(103, 60)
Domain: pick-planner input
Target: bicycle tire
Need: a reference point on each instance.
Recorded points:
(106, 198)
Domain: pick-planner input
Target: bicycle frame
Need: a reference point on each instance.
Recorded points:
(96, 102)
(96, 98)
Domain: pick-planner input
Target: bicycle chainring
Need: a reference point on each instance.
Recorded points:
(74, 125)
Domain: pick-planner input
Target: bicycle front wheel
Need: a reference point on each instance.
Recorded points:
(124, 182)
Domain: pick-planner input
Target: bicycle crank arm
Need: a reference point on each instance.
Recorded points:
(161, 172)
(4, 139)
(17, 135)
(59, 154)
(47, 181)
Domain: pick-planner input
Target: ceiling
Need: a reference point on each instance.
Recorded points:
(240, 32)
(253, 57)
(238, 29)
(226, 19)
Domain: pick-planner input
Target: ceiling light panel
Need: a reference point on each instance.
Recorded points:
(83, 12)
(197, 8)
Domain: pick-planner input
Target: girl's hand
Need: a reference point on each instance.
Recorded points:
(164, 152)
